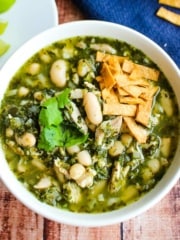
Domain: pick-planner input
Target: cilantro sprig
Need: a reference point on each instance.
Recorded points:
(55, 131)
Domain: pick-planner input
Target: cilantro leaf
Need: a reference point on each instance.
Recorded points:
(50, 138)
(76, 139)
(63, 98)
(73, 136)
(50, 114)
(55, 132)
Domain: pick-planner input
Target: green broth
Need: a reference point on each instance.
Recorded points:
(44, 164)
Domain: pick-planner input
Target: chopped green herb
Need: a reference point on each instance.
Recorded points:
(50, 138)
(63, 98)
(73, 136)
(55, 132)
(50, 114)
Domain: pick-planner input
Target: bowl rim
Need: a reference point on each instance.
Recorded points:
(83, 219)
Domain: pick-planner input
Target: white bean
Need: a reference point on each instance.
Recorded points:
(26, 140)
(116, 149)
(154, 165)
(73, 149)
(38, 95)
(45, 57)
(86, 180)
(84, 158)
(75, 78)
(92, 108)
(90, 125)
(23, 91)
(146, 174)
(34, 68)
(77, 93)
(76, 171)
(58, 73)
(9, 132)
(44, 182)
(103, 47)
(83, 68)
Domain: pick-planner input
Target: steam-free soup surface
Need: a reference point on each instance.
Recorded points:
(89, 124)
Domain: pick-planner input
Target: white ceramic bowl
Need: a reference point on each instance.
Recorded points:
(105, 29)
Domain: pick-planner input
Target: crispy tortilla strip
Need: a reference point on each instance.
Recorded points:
(115, 70)
(122, 92)
(140, 82)
(149, 93)
(127, 91)
(109, 96)
(169, 16)
(139, 132)
(134, 91)
(131, 100)
(127, 66)
(105, 57)
(99, 79)
(119, 109)
(123, 80)
(107, 76)
(172, 3)
(144, 112)
(114, 65)
(141, 71)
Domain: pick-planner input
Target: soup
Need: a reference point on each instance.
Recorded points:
(89, 124)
